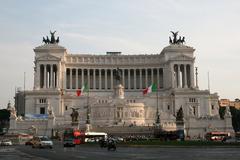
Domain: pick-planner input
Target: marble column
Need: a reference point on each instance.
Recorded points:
(111, 78)
(192, 75)
(140, 77)
(51, 76)
(94, 79)
(173, 76)
(178, 76)
(152, 80)
(146, 78)
(70, 78)
(106, 82)
(76, 78)
(129, 81)
(100, 79)
(185, 76)
(134, 77)
(123, 77)
(82, 77)
(45, 76)
(59, 77)
(88, 78)
(39, 78)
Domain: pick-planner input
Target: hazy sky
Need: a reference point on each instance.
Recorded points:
(130, 26)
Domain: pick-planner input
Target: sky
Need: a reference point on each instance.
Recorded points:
(130, 26)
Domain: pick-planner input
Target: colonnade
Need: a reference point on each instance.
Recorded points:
(182, 76)
(48, 76)
(103, 79)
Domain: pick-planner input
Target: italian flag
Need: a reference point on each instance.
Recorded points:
(84, 88)
(150, 89)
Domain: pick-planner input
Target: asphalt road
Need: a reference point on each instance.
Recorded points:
(130, 153)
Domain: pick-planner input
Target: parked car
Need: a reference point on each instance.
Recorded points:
(42, 142)
(6, 142)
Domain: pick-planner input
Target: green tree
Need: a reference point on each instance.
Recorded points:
(222, 112)
(235, 118)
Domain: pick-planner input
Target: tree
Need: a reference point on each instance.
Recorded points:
(222, 112)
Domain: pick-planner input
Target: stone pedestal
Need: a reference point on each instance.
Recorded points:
(13, 124)
(119, 91)
(180, 129)
(75, 124)
(50, 124)
(88, 127)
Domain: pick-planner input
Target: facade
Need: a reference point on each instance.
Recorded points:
(58, 75)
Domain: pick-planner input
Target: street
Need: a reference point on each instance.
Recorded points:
(95, 152)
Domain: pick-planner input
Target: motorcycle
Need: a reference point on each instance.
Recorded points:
(111, 145)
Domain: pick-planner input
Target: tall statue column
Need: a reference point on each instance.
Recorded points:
(196, 77)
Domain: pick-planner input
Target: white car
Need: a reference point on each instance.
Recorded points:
(42, 142)
(6, 142)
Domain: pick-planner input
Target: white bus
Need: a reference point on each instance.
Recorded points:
(94, 136)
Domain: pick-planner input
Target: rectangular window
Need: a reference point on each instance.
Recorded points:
(43, 100)
(42, 110)
(212, 107)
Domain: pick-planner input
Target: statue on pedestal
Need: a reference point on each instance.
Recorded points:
(53, 40)
(175, 40)
(179, 115)
(74, 115)
(118, 75)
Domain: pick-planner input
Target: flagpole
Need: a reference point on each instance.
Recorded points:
(88, 112)
(158, 117)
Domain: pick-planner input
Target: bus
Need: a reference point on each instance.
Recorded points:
(72, 137)
(94, 136)
(217, 136)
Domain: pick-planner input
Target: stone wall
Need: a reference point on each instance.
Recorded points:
(32, 126)
(198, 127)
